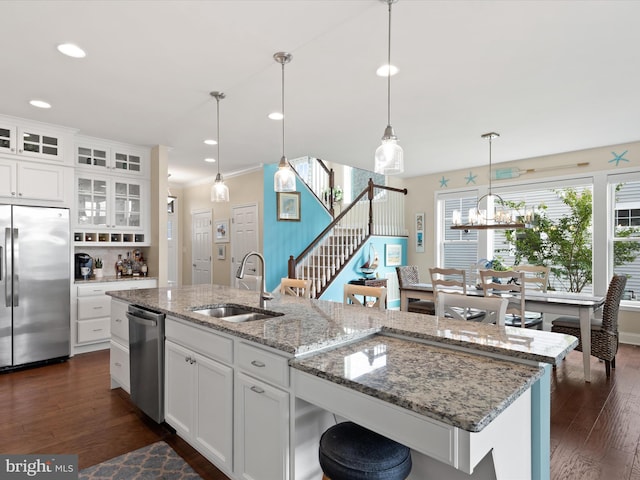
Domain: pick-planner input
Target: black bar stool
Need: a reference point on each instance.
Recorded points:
(351, 452)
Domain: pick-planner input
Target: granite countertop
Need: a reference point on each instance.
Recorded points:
(358, 348)
(112, 278)
(312, 325)
(453, 387)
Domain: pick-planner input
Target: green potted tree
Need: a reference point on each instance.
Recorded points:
(564, 244)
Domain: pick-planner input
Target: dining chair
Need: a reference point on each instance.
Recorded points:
(536, 277)
(408, 275)
(604, 330)
(503, 282)
(455, 306)
(296, 287)
(378, 293)
(452, 280)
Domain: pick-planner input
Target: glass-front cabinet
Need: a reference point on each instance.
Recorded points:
(30, 141)
(109, 157)
(127, 206)
(111, 210)
(7, 139)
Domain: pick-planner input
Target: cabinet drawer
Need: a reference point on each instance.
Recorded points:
(119, 365)
(93, 330)
(94, 307)
(119, 321)
(206, 343)
(92, 289)
(263, 364)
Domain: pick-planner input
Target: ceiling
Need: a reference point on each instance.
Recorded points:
(549, 76)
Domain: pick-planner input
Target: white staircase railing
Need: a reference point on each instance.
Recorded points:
(377, 210)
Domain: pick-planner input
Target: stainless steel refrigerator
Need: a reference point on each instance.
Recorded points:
(34, 284)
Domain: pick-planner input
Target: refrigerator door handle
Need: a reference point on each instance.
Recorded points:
(14, 264)
(7, 268)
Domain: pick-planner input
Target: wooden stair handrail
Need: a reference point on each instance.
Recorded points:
(369, 190)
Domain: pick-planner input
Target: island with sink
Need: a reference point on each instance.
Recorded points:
(252, 388)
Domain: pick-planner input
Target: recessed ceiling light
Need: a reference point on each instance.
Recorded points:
(40, 104)
(210, 141)
(383, 71)
(71, 50)
(210, 160)
(276, 116)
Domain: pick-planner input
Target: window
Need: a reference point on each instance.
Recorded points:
(458, 248)
(626, 232)
(569, 256)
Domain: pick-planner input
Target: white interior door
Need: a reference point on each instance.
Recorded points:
(201, 247)
(244, 232)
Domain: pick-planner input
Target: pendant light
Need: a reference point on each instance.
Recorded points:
(389, 157)
(219, 191)
(285, 179)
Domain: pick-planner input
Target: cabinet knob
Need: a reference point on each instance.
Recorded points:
(13, 193)
(257, 389)
(20, 194)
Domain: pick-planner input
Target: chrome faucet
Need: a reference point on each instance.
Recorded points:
(264, 295)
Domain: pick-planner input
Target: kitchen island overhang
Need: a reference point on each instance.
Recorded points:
(311, 329)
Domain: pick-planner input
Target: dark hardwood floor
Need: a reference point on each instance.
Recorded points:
(69, 408)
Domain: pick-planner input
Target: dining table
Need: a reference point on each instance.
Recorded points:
(579, 305)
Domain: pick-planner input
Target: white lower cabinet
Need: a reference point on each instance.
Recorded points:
(262, 430)
(199, 402)
(229, 399)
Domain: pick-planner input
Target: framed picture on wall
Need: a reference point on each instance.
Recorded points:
(393, 255)
(288, 206)
(222, 250)
(221, 232)
(419, 232)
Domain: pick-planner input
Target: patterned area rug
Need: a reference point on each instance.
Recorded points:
(154, 462)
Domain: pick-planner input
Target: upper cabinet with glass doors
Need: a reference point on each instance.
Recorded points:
(31, 141)
(101, 156)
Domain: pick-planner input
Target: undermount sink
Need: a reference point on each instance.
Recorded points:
(235, 313)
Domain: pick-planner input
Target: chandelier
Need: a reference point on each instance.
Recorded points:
(502, 216)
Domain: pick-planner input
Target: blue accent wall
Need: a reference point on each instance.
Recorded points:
(352, 269)
(282, 239)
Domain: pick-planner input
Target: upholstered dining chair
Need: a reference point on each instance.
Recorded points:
(408, 275)
(503, 282)
(296, 287)
(378, 293)
(604, 330)
(456, 306)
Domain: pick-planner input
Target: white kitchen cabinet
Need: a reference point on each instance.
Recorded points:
(106, 157)
(261, 430)
(119, 346)
(93, 316)
(31, 142)
(199, 395)
(21, 180)
(29, 139)
(111, 209)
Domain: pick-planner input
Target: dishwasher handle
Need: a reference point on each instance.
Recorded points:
(142, 321)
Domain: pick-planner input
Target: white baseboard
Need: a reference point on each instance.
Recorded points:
(630, 338)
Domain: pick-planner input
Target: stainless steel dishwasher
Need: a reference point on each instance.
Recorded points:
(146, 360)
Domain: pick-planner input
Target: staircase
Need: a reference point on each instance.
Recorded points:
(377, 210)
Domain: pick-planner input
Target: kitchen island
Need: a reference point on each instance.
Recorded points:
(460, 394)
